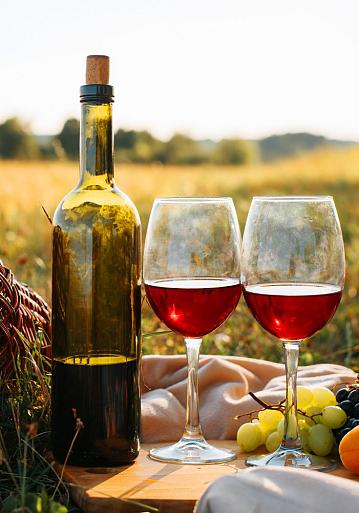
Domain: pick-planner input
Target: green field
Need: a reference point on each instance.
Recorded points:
(25, 235)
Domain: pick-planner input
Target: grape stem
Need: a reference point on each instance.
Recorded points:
(281, 405)
(266, 406)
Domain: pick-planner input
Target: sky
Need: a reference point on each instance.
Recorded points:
(210, 68)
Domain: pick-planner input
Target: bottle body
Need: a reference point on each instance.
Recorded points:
(96, 311)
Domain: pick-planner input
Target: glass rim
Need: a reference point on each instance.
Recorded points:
(293, 198)
(193, 199)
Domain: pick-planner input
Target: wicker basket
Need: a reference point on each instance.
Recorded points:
(24, 319)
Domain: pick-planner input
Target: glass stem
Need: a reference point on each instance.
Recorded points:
(193, 427)
(291, 438)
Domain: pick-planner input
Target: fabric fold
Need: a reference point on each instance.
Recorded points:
(224, 383)
(272, 490)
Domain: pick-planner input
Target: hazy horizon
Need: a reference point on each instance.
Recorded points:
(217, 139)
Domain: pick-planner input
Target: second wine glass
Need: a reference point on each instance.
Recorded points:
(293, 274)
(191, 273)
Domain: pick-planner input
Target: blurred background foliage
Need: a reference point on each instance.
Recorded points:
(16, 141)
(140, 146)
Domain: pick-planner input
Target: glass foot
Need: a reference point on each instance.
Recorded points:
(291, 458)
(193, 452)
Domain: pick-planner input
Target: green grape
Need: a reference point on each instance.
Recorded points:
(273, 441)
(316, 411)
(304, 397)
(302, 417)
(303, 428)
(323, 397)
(304, 437)
(249, 436)
(320, 440)
(333, 417)
(303, 425)
(269, 418)
(263, 431)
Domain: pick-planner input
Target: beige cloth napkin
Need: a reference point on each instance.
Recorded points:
(224, 383)
(274, 490)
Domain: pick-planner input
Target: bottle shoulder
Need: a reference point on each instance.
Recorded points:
(96, 203)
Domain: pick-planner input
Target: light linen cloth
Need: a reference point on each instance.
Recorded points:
(224, 383)
(280, 490)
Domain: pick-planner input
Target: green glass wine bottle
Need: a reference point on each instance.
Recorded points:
(96, 298)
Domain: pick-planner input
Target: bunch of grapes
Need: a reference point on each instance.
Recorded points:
(320, 421)
(348, 401)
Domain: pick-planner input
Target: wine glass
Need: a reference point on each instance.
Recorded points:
(293, 268)
(192, 281)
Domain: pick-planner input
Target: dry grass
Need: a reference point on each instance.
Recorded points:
(25, 233)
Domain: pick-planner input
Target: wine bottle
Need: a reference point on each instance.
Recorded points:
(96, 298)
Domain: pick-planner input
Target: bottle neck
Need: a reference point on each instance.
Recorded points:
(96, 145)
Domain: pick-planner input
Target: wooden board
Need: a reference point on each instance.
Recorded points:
(171, 488)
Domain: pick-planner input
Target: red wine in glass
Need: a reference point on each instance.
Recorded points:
(193, 307)
(191, 269)
(292, 311)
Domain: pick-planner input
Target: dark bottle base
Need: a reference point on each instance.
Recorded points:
(93, 460)
(96, 410)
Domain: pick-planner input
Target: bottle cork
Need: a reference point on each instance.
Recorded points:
(97, 69)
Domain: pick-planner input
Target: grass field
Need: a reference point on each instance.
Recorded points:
(25, 234)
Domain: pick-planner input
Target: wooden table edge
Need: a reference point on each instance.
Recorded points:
(89, 497)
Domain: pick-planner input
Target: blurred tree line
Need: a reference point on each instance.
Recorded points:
(17, 142)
